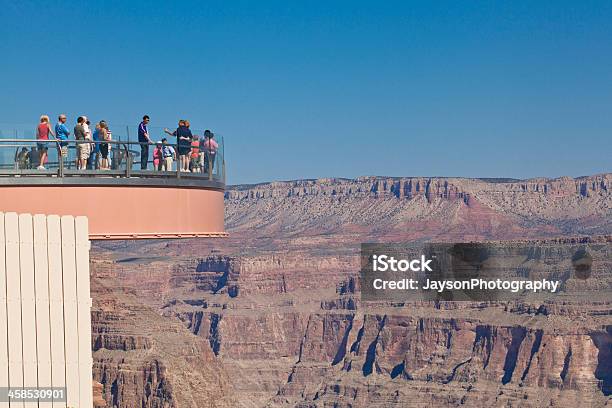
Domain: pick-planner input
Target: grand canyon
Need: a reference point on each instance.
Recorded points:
(272, 316)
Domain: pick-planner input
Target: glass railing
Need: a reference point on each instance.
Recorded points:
(22, 154)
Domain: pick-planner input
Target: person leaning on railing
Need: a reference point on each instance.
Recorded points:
(184, 136)
(42, 133)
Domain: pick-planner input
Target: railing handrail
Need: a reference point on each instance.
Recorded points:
(86, 141)
(122, 146)
(55, 140)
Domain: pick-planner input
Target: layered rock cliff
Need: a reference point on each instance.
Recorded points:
(389, 208)
(272, 316)
(145, 360)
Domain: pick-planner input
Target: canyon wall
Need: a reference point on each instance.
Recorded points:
(272, 316)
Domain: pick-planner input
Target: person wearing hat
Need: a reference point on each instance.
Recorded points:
(209, 147)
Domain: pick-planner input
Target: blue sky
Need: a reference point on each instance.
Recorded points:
(331, 89)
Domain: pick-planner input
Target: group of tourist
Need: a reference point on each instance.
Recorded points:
(89, 154)
(195, 154)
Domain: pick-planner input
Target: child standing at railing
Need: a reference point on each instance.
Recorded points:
(194, 163)
(158, 156)
(168, 155)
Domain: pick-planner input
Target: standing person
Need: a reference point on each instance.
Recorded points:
(210, 147)
(168, 155)
(62, 133)
(184, 136)
(88, 137)
(184, 140)
(158, 157)
(144, 139)
(97, 137)
(109, 137)
(86, 124)
(42, 133)
(194, 163)
(94, 158)
(104, 137)
(81, 148)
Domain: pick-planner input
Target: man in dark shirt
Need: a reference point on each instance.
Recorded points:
(144, 140)
(79, 134)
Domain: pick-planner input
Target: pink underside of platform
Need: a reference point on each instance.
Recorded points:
(125, 212)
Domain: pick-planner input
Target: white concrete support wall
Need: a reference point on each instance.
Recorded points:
(45, 306)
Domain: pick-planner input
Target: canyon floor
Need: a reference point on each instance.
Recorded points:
(272, 316)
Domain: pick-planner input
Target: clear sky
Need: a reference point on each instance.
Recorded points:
(331, 89)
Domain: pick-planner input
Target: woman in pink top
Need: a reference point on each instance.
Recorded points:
(158, 157)
(209, 149)
(42, 133)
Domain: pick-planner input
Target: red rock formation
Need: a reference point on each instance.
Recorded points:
(275, 309)
(145, 360)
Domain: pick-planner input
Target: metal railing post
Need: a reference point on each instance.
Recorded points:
(178, 162)
(210, 166)
(61, 161)
(128, 161)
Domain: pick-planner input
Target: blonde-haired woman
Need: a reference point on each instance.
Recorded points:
(42, 133)
(184, 136)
